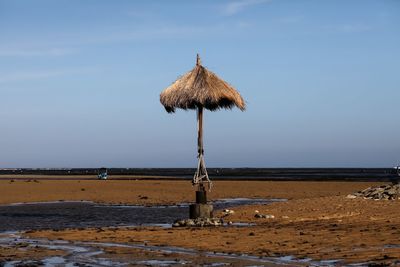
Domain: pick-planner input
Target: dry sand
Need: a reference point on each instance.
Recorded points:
(318, 221)
(161, 191)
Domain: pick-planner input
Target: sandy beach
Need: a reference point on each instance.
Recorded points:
(317, 221)
(39, 189)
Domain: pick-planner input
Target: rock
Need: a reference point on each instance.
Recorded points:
(382, 192)
(227, 212)
(392, 191)
(189, 223)
(264, 216)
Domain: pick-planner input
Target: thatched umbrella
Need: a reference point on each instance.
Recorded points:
(198, 89)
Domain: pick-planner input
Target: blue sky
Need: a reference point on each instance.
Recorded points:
(80, 82)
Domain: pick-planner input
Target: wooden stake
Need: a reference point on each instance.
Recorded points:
(198, 60)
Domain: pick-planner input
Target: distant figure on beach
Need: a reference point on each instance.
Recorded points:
(102, 174)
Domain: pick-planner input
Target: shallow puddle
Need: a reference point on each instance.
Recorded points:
(73, 214)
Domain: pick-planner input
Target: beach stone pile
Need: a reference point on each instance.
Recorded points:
(383, 192)
(199, 222)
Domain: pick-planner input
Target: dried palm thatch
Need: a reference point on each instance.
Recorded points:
(200, 88)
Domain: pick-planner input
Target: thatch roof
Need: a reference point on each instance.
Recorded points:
(200, 88)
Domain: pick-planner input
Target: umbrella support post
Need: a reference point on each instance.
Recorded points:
(201, 209)
(201, 175)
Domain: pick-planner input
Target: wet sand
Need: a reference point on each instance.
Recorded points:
(323, 228)
(316, 222)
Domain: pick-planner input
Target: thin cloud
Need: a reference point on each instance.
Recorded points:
(72, 41)
(109, 35)
(290, 19)
(156, 32)
(28, 52)
(233, 8)
(40, 75)
(350, 28)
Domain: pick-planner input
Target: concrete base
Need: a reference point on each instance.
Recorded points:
(200, 211)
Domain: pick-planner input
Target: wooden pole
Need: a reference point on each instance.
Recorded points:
(201, 175)
(201, 209)
(200, 149)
